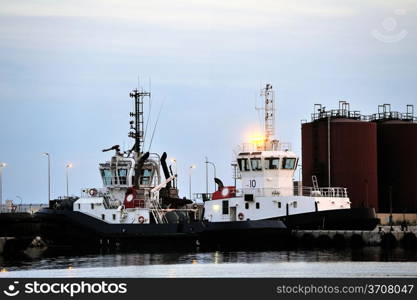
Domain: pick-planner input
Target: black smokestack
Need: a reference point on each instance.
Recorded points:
(165, 167)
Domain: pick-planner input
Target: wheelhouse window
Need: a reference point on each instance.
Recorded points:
(243, 164)
(122, 173)
(256, 164)
(289, 163)
(271, 163)
(107, 176)
(145, 177)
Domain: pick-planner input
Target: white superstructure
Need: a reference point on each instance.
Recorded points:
(267, 170)
(133, 189)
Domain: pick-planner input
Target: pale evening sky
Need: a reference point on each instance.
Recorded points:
(67, 67)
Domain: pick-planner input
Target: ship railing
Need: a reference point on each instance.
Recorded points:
(334, 192)
(93, 192)
(273, 146)
(202, 197)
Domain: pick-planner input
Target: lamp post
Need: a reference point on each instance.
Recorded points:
(68, 166)
(214, 167)
(2, 165)
(191, 172)
(206, 176)
(21, 201)
(49, 176)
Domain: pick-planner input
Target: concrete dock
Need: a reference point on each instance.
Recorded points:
(384, 236)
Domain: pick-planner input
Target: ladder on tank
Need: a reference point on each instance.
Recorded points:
(315, 183)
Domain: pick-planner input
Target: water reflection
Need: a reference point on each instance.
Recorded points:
(146, 259)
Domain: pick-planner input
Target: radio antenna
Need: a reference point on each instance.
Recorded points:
(156, 125)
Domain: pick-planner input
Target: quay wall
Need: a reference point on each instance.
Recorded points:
(397, 219)
(382, 236)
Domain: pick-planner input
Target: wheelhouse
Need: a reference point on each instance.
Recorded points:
(120, 174)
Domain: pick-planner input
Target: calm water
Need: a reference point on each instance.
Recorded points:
(367, 262)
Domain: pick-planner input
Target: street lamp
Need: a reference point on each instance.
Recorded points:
(214, 167)
(191, 171)
(2, 165)
(21, 200)
(68, 166)
(49, 176)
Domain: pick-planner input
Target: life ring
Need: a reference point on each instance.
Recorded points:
(141, 220)
(130, 195)
(92, 192)
(241, 216)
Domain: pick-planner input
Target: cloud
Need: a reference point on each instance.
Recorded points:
(190, 14)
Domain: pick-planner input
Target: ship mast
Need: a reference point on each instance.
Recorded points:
(137, 125)
(269, 96)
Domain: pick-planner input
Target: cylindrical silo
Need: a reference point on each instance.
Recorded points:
(397, 162)
(347, 157)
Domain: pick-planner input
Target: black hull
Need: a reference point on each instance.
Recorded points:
(247, 235)
(62, 228)
(340, 219)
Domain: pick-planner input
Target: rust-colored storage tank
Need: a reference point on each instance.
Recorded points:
(352, 154)
(397, 162)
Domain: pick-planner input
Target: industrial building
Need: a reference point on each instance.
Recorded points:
(373, 156)
(397, 159)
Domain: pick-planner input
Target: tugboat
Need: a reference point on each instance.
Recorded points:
(139, 206)
(268, 192)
